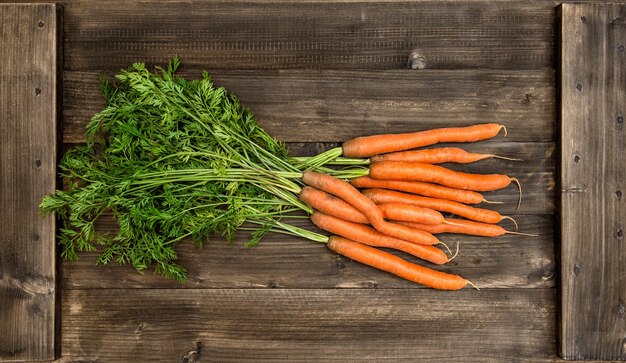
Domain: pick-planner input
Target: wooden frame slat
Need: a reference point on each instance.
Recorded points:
(593, 171)
(28, 142)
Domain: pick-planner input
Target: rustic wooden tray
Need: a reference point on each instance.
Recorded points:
(316, 73)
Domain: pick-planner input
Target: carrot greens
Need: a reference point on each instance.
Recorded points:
(172, 158)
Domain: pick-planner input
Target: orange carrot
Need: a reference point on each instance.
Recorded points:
(406, 233)
(390, 263)
(405, 170)
(331, 204)
(367, 146)
(345, 191)
(463, 226)
(336, 207)
(371, 237)
(425, 189)
(410, 213)
(380, 196)
(436, 156)
(366, 206)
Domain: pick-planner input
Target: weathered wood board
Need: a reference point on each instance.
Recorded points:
(324, 35)
(333, 106)
(241, 325)
(28, 140)
(593, 176)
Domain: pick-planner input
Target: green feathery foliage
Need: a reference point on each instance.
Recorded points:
(170, 158)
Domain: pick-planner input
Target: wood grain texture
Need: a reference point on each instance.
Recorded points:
(593, 213)
(288, 262)
(280, 35)
(237, 325)
(28, 111)
(333, 106)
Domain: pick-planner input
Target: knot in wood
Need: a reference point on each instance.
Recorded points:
(417, 60)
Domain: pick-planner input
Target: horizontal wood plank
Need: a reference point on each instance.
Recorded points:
(28, 139)
(308, 325)
(593, 176)
(280, 35)
(333, 106)
(287, 262)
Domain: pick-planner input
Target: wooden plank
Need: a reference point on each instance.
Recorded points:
(332, 106)
(593, 104)
(288, 262)
(28, 139)
(280, 35)
(238, 325)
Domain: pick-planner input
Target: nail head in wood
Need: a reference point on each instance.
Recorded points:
(40, 24)
(576, 158)
(38, 163)
(618, 194)
(583, 19)
(620, 48)
(620, 233)
(579, 86)
(37, 92)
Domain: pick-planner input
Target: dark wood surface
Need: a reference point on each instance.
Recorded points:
(332, 106)
(240, 325)
(317, 73)
(28, 139)
(593, 171)
(285, 34)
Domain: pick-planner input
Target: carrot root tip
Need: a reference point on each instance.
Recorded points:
(519, 187)
(504, 157)
(455, 253)
(472, 285)
(492, 201)
(447, 248)
(522, 234)
(513, 220)
(505, 131)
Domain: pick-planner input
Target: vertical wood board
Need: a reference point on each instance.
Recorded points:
(28, 135)
(593, 170)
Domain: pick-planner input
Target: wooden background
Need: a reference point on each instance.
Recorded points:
(315, 74)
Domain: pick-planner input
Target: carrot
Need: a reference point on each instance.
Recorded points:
(367, 146)
(393, 264)
(463, 226)
(380, 196)
(411, 213)
(345, 191)
(405, 170)
(336, 207)
(436, 156)
(371, 237)
(422, 188)
(331, 204)
(406, 233)
(366, 206)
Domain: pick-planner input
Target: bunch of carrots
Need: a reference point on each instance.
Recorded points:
(399, 205)
(174, 159)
